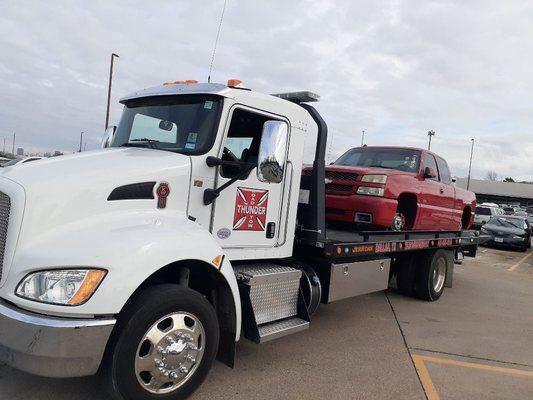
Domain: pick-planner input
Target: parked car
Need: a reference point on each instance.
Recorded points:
(17, 161)
(509, 231)
(396, 188)
(484, 213)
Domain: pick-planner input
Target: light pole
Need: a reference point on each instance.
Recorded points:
(363, 138)
(113, 55)
(470, 165)
(81, 140)
(14, 136)
(430, 134)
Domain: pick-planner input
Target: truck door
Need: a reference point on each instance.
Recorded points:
(433, 213)
(247, 213)
(449, 201)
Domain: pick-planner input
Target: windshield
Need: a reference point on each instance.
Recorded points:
(401, 159)
(185, 124)
(507, 222)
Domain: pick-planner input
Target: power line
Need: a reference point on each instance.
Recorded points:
(216, 42)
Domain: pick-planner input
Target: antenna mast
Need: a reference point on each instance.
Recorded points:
(216, 42)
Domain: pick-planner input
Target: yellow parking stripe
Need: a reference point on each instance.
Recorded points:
(515, 266)
(423, 374)
(447, 361)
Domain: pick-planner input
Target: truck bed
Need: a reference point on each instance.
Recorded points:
(345, 243)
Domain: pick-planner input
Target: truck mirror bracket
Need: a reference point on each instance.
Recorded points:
(211, 194)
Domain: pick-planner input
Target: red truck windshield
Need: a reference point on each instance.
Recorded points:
(401, 159)
(185, 124)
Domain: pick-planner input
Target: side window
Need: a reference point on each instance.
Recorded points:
(444, 171)
(243, 140)
(429, 161)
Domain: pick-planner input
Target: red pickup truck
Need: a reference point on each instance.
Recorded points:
(396, 188)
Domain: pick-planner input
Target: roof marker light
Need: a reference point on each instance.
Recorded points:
(234, 82)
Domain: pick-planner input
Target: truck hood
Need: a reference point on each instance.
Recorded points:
(66, 190)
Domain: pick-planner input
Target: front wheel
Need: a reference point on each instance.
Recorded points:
(164, 346)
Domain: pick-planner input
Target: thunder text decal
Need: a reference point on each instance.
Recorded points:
(250, 209)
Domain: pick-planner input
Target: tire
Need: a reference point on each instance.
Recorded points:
(431, 275)
(405, 274)
(174, 315)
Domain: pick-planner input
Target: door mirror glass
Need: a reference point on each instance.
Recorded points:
(272, 152)
(429, 173)
(108, 136)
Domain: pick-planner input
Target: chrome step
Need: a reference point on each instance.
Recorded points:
(275, 330)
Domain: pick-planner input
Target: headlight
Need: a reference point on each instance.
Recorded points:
(374, 178)
(70, 287)
(483, 230)
(371, 191)
(518, 237)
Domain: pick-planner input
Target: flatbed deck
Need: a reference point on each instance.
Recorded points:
(342, 244)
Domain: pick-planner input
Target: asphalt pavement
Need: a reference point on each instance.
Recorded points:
(474, 343)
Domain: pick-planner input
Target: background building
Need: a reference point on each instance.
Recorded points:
(20, 151)
(500, 192)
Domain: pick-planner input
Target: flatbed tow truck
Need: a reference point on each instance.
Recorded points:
(146, 260)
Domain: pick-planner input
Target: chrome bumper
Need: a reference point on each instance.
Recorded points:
(50, 346)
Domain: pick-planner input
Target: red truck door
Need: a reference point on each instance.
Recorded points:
(434, 214)
(448, 195)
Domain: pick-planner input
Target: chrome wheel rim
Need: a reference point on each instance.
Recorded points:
(439, 275)
(398, 222)
(169, 353)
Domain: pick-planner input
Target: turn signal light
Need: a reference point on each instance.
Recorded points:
(217, 261)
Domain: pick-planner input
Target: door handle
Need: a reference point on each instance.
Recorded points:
(441, 190)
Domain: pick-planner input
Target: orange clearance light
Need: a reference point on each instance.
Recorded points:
(217, 261)
(234, 82)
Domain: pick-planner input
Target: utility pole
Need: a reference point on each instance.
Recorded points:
(14, 136)
(4, 145)
(113, 55)
(430, 134)
(363, 138)
(470, 165)
(81, 140)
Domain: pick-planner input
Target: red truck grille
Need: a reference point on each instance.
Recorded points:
(341, 175)
(334, 187)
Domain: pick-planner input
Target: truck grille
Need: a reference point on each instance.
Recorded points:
(5, 208)
(339, 175)
(333, 187)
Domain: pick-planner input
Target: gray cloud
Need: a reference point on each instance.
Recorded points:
(393, 68)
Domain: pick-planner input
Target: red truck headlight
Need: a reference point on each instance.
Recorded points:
(371, 191)
(374, 178)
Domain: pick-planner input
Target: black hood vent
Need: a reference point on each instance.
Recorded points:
(134, 191)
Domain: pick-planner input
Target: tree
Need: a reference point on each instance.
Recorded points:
(492, 176)
(509, 179)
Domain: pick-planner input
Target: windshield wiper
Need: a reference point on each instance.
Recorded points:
(151, 142)
(378, 166)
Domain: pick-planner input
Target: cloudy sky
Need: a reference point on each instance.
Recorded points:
(393, 68)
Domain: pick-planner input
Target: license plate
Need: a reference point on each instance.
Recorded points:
(498, 240)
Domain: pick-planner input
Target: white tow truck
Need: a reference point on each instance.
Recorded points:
(193, 226)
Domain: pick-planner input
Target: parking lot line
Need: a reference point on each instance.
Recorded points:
(427, 382)
(515, 266)
(423, 374)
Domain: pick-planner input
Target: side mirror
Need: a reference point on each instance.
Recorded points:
(429, 173)
(454, 180)
(108, 136)
(272, 152)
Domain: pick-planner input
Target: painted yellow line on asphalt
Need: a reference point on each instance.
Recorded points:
(515, 266)
(423, 374)
(429, 386)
